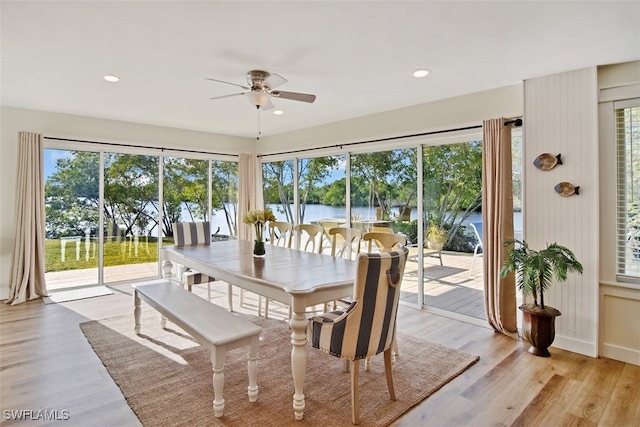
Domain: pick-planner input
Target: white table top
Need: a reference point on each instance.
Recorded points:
(296, 272)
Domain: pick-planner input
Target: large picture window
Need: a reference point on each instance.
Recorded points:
(628, 190)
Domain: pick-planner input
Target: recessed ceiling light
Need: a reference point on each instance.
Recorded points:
(278, 112)
(111, 78)
(421, 72)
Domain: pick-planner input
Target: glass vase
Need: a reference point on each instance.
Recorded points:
(258, 249)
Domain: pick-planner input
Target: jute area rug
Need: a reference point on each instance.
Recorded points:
(166, 377)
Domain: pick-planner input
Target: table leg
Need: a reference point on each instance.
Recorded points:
(298, 325)
(167, 266)
(136, 311)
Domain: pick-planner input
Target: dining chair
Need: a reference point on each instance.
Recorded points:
(368, 326)
(477, 229)
(343, 241)
(281, 233)
(384, 242)
(311, 235)
(195, 234)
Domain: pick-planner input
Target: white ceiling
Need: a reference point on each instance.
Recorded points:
(356, 56)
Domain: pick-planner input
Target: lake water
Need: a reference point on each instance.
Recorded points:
(317, 212)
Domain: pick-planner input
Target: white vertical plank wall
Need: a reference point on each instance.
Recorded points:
(561, 116)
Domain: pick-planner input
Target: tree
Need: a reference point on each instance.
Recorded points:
(184, 188)
(385, 177)
(224, 191)
(131, 193)
(278, 186)
(311, 173)
(453, 183)
(72, 195)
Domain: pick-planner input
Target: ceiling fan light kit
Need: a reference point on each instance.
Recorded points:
(261, 89)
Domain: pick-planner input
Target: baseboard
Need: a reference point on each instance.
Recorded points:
(576, 346)
(623, 354)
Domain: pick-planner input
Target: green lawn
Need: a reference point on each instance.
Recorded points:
(115, 253)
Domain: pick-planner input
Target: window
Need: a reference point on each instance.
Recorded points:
(627, 115)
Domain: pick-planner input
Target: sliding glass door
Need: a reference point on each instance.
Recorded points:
(105, 212)
(130, 217)
(72, 208)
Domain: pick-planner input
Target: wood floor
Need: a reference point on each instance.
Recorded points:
(46, 363)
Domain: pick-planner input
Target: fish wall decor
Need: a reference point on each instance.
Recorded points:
(567, 189)
(547, 161)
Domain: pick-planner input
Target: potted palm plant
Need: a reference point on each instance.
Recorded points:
(436, 237)
(535, 272)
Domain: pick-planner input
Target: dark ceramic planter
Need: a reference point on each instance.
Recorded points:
(538, 327)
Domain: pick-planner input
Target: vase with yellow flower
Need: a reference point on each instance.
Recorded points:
(259, 218)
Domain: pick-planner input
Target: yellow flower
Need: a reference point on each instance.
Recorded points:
(258, 216)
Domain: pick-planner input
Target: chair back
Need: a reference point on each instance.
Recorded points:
(311, 235)
(191, 233)
(281, 233)
(385, 242)
(343, 241)
(477, 229)
(368, 326)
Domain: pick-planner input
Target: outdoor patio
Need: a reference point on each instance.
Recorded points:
(451, 286)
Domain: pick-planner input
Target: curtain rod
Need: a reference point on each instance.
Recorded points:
(139, 146)
(516, 122)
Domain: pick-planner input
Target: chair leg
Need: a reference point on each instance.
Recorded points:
(395, 352)
(230, 296)
(355, 392)
(389, 371)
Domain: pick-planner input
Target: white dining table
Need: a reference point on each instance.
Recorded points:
(295, 278)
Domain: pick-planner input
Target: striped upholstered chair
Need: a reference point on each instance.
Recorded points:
(367, 327)
(194, 234)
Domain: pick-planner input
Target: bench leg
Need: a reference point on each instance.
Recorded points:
(252, 368)
(163, 321)
(218, 355)
(136, 312)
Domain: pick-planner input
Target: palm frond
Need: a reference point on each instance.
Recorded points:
(536, 270)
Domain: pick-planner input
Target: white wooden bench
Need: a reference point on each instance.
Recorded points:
(210, 325)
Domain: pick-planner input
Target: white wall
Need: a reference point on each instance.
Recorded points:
(14, 120)
(456, 112)
(560, 116)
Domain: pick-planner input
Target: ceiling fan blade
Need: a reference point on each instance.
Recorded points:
(295, 96)
(229, 83)
(274, 80)
(228, 96)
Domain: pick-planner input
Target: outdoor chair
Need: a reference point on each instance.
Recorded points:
(477, 229)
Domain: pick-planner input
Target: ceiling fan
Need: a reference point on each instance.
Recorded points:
(261, 89)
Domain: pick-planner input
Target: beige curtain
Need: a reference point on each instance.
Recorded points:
(497, 218)
(249, 191)
(27, 263)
